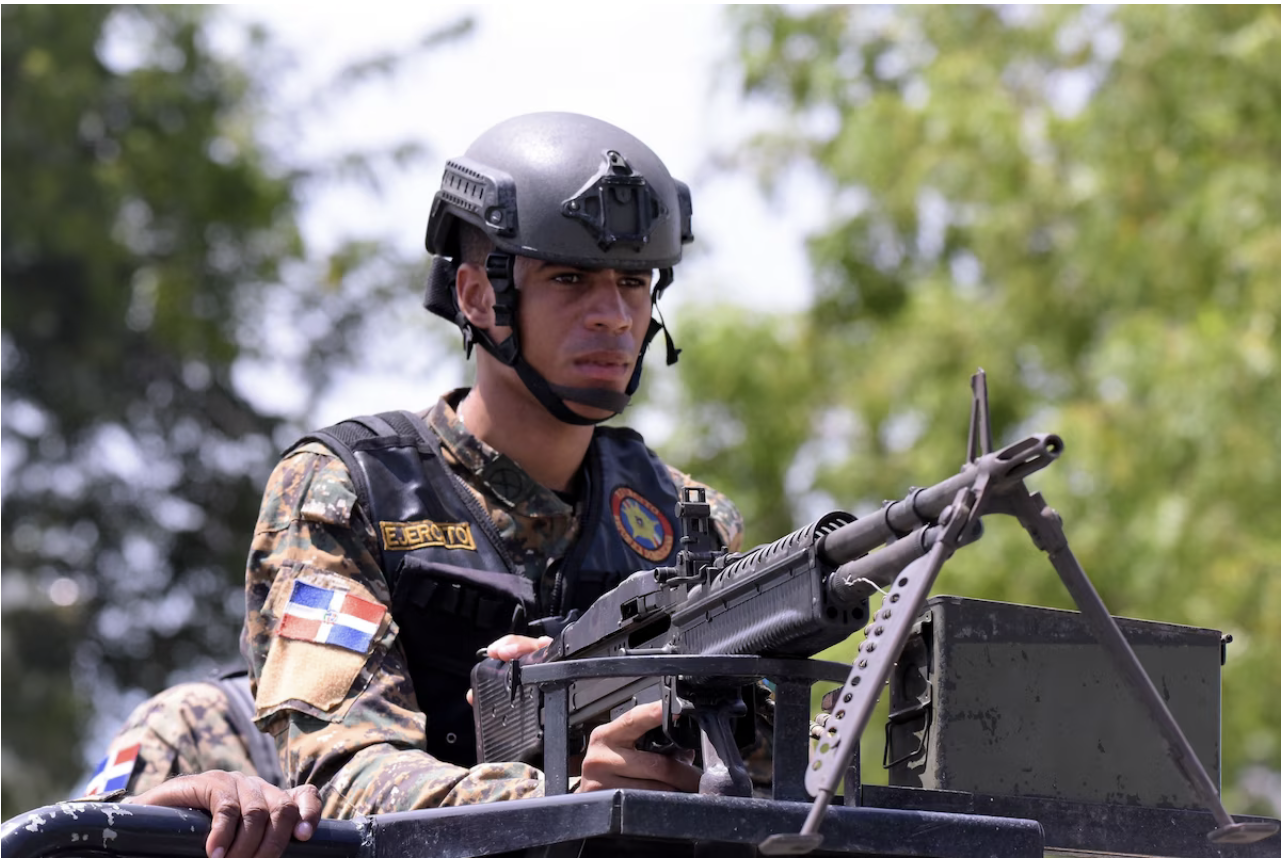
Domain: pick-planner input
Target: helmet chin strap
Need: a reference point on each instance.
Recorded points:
(554, 398)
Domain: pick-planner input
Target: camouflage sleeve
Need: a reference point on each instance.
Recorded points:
(183, 730)
(731, 526)
(344, 716)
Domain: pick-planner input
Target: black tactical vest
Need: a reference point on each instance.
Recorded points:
(454, 588)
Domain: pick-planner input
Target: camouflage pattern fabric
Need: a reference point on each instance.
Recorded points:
(350, 722)
(182, 730)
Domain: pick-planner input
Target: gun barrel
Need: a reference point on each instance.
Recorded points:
(855, 581)
(923, 505)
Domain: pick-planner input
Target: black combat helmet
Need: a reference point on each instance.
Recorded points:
(563, 188)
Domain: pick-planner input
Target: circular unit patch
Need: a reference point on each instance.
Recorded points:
(641, 524)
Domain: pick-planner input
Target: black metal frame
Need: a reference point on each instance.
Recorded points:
(792, 678)
(606, 822)
(894, 821)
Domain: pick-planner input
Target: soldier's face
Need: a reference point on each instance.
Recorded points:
(582, 327)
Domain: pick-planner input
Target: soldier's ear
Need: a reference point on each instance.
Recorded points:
(475, 295)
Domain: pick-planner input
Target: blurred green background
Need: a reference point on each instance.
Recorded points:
(1082, 200)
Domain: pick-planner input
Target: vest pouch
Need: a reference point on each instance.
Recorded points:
(446, 614)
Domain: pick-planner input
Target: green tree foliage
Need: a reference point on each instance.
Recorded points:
(152, 269)
(1083, 201)
(135, 207)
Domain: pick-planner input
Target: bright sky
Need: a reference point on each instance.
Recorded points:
(657, 71)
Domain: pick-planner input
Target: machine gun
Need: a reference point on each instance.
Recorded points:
(693, 634)
(786, 600)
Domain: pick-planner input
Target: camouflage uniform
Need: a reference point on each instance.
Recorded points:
(183, 730)
(349, 722)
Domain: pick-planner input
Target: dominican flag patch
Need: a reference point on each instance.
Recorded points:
(113, 771)
(333, 617)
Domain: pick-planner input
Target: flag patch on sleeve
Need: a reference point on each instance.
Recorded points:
(331, 617)
(113, 771)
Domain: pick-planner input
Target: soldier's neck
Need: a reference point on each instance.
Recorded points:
(550, 451)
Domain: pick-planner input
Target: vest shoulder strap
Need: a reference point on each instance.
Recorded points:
(343, 437)
(400, 429)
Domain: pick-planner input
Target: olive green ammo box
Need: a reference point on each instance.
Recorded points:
(1011, 700)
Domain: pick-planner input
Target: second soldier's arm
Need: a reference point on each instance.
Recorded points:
(345, 720)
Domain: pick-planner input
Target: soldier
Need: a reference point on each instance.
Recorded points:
(191, 728)
(390, 549)
(195, 746)
(368, 596)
